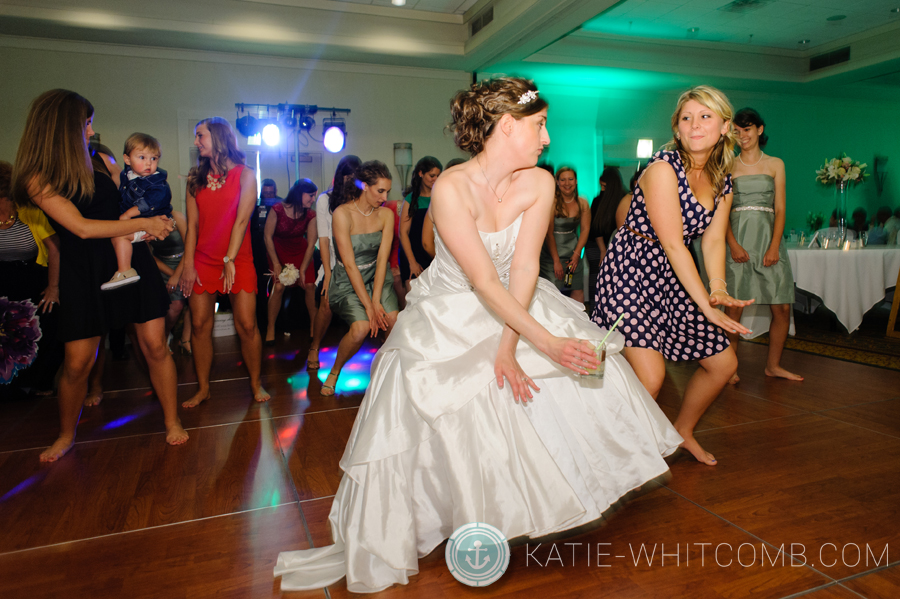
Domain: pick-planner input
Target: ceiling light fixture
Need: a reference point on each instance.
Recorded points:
(895, 10)
(398, 2)
(693, 30)
(836, 18)
(803, 42)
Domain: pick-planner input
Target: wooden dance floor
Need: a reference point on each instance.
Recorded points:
(811, 469)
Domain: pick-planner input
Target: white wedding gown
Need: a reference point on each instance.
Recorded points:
(437, 444)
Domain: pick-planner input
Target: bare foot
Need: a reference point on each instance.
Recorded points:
(781, 373)
(703, 456)
(93, 398)
(196, 400)
(734, 380)
(58, 449)
(261, 395)
(175, 434)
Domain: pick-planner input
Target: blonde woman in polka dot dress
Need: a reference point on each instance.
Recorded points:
(648, 273)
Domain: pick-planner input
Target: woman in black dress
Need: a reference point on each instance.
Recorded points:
(413, 258)
(53, 171)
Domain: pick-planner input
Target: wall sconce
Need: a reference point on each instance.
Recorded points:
(645, 148)
(403, 161)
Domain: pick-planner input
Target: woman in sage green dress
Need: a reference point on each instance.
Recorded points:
(757, 267)
(566, 236)
(361, 289)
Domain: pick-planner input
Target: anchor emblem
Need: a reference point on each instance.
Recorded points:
(477, 551)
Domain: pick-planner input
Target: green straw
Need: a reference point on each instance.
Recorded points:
(613, 328)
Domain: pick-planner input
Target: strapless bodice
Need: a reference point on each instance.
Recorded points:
(754, 190)
(445, 270)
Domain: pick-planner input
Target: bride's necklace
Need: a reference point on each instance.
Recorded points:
(568, 201)
(761, 156)
(498, 196)
(356, 203)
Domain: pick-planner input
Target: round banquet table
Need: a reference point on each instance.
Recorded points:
(847, 282)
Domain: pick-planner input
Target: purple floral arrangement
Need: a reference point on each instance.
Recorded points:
(19, 333)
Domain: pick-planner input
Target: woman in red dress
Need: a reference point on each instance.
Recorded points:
(221, 196)
(289, 227)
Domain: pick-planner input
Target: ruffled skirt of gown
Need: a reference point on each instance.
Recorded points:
(437, 444)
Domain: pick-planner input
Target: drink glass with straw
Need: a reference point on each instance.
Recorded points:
(600, 352)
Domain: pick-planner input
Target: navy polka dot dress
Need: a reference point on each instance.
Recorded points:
(637, 279)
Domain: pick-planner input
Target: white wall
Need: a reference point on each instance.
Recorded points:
(164, 92)
(804, 131)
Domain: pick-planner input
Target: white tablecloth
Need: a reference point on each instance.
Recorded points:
(849, 283)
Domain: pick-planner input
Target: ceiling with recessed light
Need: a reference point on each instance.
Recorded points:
(453, 7)
(741, 42)
(763, 23)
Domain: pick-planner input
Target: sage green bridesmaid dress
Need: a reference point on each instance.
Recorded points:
(753, 222)
(565, 231)
(343, 299)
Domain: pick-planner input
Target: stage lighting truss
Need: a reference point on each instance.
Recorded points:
(274, 123)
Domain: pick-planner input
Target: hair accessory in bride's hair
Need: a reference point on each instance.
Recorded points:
(528, 97)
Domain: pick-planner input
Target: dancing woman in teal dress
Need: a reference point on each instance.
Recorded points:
(361, 289)
(757, 265)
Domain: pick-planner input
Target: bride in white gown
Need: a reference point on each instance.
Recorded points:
(452, 430)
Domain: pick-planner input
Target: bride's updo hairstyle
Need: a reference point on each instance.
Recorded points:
(475, 111)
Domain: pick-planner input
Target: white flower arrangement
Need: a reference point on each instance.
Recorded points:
(842, 169)
(289, 275)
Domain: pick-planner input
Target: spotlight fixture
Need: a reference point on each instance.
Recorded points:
(836, 18)
(398, 2)
(247, 126)
(271, 134)
(803, 42)
(895, 10)
(335, 136)
(306, 122)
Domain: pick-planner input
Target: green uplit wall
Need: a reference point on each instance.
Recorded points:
(605, 111)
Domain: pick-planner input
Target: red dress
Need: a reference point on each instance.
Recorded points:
(217, 211)
(290, 241)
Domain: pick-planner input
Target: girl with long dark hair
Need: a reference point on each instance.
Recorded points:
(221, 196)
(53, 171)
(603, 220)
(413, 257)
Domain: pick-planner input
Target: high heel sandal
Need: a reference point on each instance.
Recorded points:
(185, 347)
(329, 390)
(312, 364)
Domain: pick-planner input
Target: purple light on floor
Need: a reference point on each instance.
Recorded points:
(120, 421)
(138, 413)
(24, 485)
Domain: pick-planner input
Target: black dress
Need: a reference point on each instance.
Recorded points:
(415, 239)
(85, 264)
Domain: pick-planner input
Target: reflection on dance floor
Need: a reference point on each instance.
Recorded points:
(207, 519)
